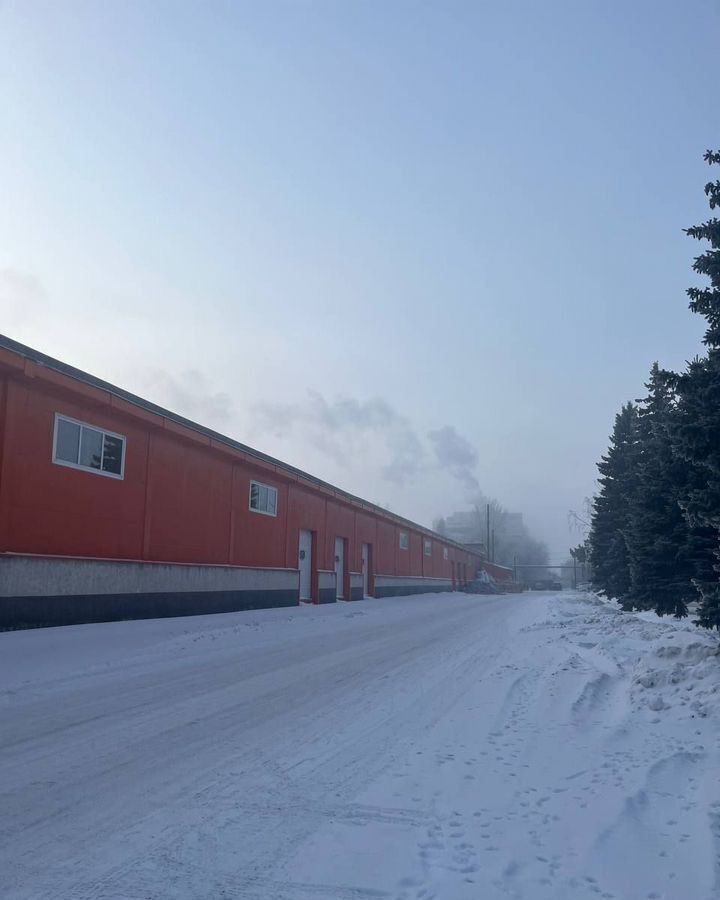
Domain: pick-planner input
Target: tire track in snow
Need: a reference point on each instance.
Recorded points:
(338, 729)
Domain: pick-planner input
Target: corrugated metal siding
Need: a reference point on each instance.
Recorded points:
(185, 494)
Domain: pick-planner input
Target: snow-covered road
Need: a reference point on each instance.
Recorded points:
(537, 746)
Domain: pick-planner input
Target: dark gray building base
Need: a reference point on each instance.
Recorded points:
(35, 612)
(45, 591)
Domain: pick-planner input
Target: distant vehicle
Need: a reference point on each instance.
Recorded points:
(556, 586)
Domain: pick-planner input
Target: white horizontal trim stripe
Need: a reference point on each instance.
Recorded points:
(412, 579)
(27, 576)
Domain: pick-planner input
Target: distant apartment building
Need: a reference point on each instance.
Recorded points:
(513, 525)
(469, 527)
(465, 527)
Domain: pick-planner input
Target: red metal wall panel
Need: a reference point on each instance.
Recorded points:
(365, 533)
(387, 552)
(339, 522)
(184, 497)
(4, 508)
(304, 510)
(499, 573)
(59, 510)
(188, 502)
(425, 567)
(258, 539)
(411, 563)
(436, 560)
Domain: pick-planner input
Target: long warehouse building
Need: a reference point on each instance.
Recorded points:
(112, 507)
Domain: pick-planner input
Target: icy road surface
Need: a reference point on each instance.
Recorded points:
(449, 746)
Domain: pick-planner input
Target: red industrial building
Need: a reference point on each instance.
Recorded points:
(112, 507)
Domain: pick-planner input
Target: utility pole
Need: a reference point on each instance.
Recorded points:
(492, 558)
(487, 531)
(515, 569)
(573, 553)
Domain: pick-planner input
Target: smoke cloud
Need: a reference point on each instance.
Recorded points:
(23, 298)
(334, 428)
(337, 428)
(456, 454)
(189, 394)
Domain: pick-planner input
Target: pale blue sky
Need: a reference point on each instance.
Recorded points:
(471, 211)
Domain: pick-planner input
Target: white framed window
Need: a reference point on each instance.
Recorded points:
(82, 446)
(263, 498)
(427, 547)
(404, 541)
(445, 552)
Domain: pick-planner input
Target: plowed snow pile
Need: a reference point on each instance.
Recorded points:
(538, 747)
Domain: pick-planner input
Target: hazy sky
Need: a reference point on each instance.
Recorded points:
(410, 247)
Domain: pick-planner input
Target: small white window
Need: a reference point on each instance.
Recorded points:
(445, 552)
(86, 447)
(404, 540)
(263, 498)
(427, 547)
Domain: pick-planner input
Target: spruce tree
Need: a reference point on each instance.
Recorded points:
(696, 432)
(665, 552)
(612, 507)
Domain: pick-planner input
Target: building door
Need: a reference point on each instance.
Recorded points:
(366, 569)
(340, 568)
(305, 564)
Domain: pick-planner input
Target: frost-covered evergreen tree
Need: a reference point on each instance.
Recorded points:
(612, 508)
(665, 552)
(696, 432)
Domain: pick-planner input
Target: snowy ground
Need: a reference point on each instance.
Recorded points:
(538, 746)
